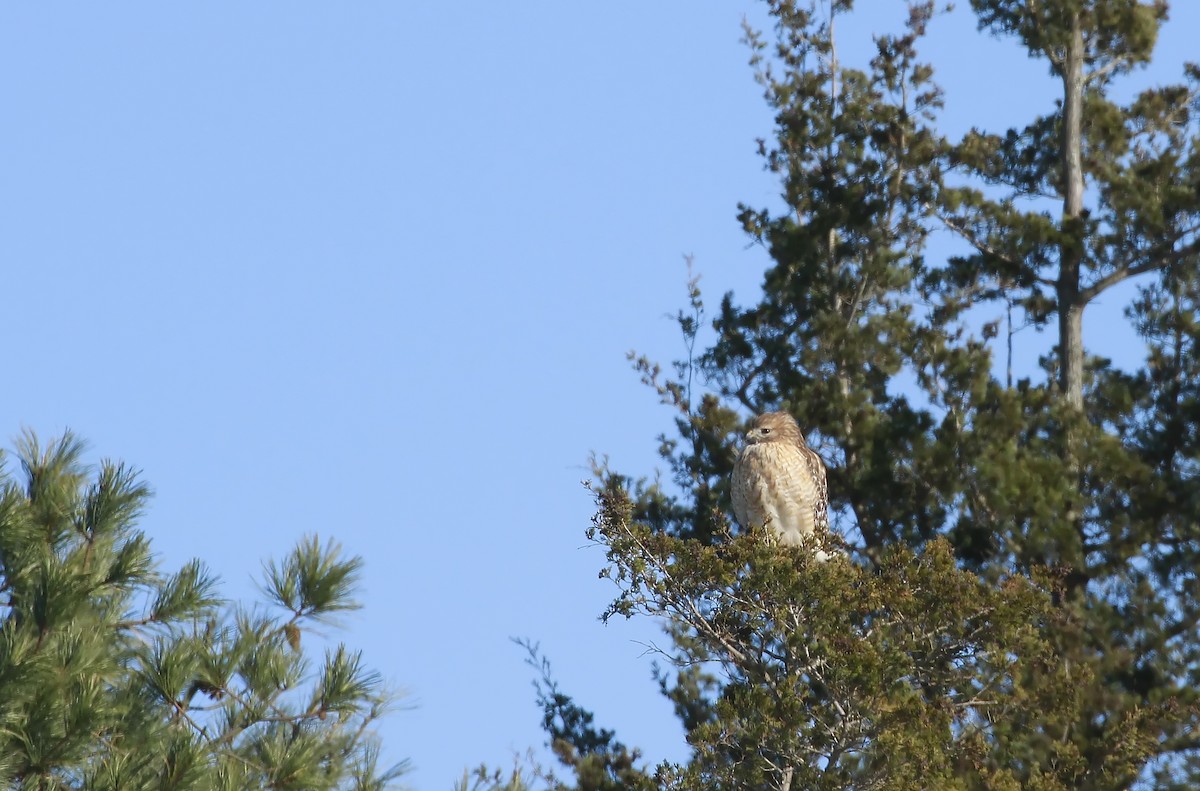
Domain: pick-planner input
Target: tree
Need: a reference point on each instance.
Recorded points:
(1022, 608)
(116, 676)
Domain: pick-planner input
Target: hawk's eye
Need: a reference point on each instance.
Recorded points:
(766, 431)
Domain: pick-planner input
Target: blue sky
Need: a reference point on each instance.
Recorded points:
(371, 270)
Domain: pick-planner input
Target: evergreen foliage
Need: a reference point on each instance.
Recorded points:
(117, 677)
(1019, 607)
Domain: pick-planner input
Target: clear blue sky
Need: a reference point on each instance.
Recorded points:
(370, 270)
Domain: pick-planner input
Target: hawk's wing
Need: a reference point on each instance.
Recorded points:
(820, 498)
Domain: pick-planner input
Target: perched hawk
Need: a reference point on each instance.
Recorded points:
(778, 481)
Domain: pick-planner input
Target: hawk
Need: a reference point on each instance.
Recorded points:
(778, 481)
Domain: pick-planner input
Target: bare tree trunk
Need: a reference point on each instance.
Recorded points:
(850, 459)
(1070, 303)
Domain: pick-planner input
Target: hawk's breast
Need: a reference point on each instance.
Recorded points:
(773, 485)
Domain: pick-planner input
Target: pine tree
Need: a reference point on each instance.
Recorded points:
(1021, 610)
(115, 676)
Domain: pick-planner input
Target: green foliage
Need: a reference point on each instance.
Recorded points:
(1019, 606)
(596, 758)
(485, 779)
(908, 675)
(313, 582)
(115, 676)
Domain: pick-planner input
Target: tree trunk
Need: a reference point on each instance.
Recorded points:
(1070, 305)
(1070, 301)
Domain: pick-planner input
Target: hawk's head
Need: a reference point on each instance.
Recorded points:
(773, 427)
